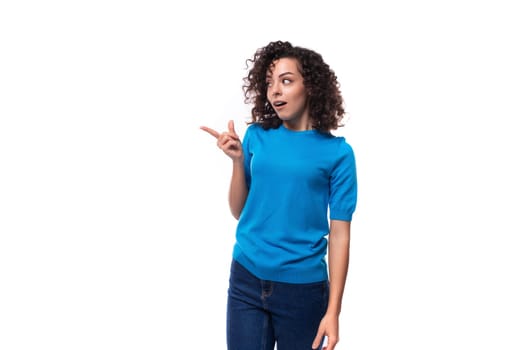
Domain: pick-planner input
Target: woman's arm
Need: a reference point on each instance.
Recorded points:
(238, 188)
(338, 260)
(230, 143)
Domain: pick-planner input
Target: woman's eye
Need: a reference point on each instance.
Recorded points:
(286, 81)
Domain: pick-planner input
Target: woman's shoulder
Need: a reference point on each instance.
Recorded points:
(252, 131)
(342, 144)
(254, 127)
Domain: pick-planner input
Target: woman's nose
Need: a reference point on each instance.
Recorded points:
(275, 90)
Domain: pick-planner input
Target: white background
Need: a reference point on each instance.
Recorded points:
(114, 226)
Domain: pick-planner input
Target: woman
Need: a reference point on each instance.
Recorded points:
(290, 175)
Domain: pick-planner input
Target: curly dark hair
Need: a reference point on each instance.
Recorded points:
(324, 98)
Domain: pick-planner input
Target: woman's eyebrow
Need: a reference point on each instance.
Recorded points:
(280, 75)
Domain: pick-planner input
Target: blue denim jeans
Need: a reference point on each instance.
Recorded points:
(263, 313)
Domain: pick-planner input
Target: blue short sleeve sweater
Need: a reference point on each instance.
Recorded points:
(297, 180)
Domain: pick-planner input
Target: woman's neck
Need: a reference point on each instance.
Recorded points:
(298, 125)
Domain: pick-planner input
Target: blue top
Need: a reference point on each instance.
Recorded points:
(296, 181)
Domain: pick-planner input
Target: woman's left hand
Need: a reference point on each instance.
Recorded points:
(328, 327)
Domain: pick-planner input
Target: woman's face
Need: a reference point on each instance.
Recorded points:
(287, 94)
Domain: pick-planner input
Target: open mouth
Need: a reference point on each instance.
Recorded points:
(279, 104)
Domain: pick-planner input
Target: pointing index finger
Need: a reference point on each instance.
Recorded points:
(210, 131)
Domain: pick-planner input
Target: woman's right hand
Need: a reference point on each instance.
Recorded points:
(228, 141)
